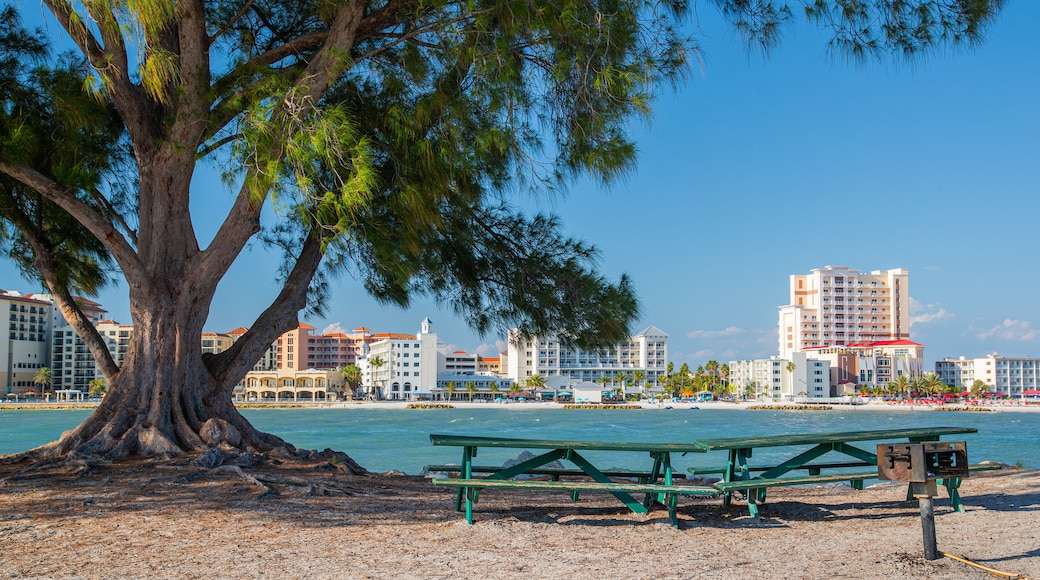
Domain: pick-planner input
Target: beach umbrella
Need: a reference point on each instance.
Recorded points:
(1031, 392)
(966, 394)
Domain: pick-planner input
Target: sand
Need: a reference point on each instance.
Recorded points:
(138, 520)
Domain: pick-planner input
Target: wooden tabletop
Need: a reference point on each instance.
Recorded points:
(919, 433)
(512, 443)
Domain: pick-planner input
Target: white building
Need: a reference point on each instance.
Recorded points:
(409, 363)
(838, 306)
(28, 335)
(782, 379)
(1010, 376)
(873, 363)
(646, 351)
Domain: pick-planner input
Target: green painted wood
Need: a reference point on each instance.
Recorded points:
(807, 466)
(670, 493)
(809, 479)
(629, 487)
(759, 482)
(514, 443)
(552, 471)
(922, 433)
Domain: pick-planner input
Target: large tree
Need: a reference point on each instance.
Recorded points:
(389, 135)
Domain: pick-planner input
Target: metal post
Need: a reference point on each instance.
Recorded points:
(931, 552)
(924, 492)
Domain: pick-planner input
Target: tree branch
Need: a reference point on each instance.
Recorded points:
(228, 367)
(112, 63)
(46, 263)
(101, 228)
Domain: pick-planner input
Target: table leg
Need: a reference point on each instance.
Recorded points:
(662, 469)
(467, 472)
(597, 475)
(728, 476)
(952, 484)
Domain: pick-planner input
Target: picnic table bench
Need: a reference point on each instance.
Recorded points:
(656, 483)
(737, 475)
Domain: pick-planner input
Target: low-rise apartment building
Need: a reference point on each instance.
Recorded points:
(1007, 375)
(782, 379)
(646, 351)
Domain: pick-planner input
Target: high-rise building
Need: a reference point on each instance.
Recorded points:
(28, 333)
(837, 306)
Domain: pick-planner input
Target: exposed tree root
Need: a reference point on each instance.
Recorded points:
(235, 470)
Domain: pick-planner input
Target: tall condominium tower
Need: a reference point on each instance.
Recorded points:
(838, 306)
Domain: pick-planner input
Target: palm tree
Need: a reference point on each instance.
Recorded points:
(933, 384)
(376, 362)
(918, 384)
(620, 379)
(978, 387)
(97, 386)
(899, 386)
(471, 388)
(451, 390)
(352, 376)
(535, 382)
(724, 373)
(684, 379)
(514, 388)
(639, 377)
(712, 368)
(44, 379)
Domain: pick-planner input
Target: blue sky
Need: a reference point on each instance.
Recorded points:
(763, 167)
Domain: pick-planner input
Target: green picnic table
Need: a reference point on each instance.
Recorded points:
(657, 481)
(737, 475)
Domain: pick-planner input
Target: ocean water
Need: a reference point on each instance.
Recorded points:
(384, 439)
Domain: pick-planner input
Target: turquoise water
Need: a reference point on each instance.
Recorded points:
(384, 439)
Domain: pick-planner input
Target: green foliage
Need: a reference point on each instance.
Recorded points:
(98, 386)
(861, 30)
(391, 140)
(51, 125)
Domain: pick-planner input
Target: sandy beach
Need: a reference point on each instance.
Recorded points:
(140, 520)
(177, 520)
(1016, 407)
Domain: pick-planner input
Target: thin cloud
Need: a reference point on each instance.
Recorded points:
(334, 328)
(731, 331)
(492, 350)
(927, 313)
(930, 317)
(1011, 330)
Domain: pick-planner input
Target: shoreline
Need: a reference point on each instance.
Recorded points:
(706, 405)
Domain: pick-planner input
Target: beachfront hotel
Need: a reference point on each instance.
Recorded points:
(837, 306)
(857, 323)
(546, 356)
(1006, 375)
(27, 335)
(781, 379)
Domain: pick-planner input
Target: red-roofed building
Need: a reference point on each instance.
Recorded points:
(838, 306)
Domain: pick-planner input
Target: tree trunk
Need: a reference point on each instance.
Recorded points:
(163, 401)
